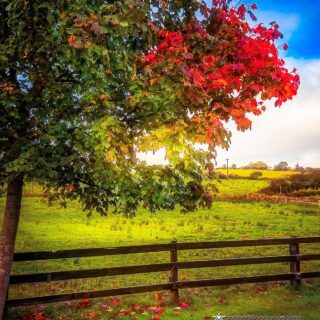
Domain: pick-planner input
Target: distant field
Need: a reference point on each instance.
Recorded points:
(53, 228)
(238, 187)
(268, 174)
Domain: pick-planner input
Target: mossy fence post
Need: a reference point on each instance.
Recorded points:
(294, 250)
(174, 273)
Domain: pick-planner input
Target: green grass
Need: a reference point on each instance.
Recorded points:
(268, 174)
(54, 228)
(238, 187)
(267, 300)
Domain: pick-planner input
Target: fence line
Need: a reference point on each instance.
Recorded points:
(293, 258)
(281, 198)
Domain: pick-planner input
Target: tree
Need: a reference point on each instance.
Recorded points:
(84, 85)
(299, 168)
(234, 166)
(282, 166)
(259, 165)
(303, 183)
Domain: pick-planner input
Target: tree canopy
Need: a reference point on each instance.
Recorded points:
(282, 165)
(85, 85)
(259, 165)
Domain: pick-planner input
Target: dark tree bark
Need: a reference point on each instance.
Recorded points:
(8, 235)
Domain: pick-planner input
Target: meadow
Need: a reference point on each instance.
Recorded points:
(54, 228)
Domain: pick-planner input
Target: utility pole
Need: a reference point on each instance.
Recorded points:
(227, 168)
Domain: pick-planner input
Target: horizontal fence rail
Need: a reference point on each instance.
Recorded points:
(294, 276)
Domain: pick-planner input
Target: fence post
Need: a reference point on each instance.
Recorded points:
(294, 250)
(174, 273)
(5, 310)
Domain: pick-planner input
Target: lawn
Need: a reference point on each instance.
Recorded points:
(53, 228)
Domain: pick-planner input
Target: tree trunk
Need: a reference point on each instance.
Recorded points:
(8, 235)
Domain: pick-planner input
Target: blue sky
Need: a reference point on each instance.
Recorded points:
(302, 24)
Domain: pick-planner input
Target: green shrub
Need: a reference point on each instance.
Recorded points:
(294, 185)
(255, 175)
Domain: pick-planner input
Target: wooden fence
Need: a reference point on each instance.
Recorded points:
(283, 198)
(294, 274)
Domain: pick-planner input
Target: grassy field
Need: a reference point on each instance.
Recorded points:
(238, 187)
(226, 187)
(267, 174)
(53, 228)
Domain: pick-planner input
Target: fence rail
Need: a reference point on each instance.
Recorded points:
(284, 198)
(294, 276)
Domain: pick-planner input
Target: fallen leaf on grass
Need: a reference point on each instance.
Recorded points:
(222, 299)
(183, 305)
(158, 296)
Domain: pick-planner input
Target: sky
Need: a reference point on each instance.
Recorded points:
(290, 133)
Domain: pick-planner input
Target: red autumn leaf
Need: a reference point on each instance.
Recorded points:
(158, 296)
(285, 47)
(83, 304)
(124, 312)
(158, 310)
(71, 39)
(222, 299)
(183, 305)
(116, 301)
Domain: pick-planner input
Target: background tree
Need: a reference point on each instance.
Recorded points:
(300, 184)
(259, 165)
(282, 166)
(84, 85)
(298, 168)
